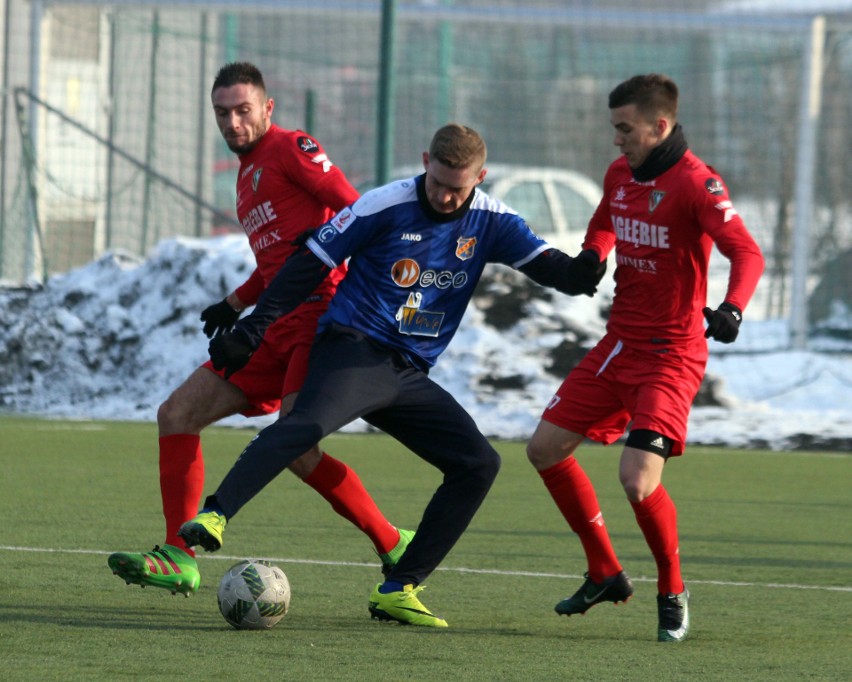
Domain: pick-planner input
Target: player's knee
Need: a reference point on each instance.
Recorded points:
(484, 467)
(543, 453)
(304, 466)
(290, 434)
(493, 464)
(168, 415)
(537, 453)
(638, 473)
(633, 487)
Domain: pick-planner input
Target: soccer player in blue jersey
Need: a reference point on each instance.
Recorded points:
(417, 248)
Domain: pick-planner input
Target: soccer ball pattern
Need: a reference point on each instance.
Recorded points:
(254, 595)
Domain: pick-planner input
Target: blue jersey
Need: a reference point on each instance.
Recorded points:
(412, 271)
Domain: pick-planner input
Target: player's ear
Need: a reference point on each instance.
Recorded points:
(269, 106)
(425, 160)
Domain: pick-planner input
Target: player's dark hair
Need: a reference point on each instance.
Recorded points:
(653, 94)
(236, 73)
(458, 146)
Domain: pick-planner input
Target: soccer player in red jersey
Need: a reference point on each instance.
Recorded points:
(662, 210)
(285, 186)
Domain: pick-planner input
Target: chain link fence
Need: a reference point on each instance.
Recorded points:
(109, 142)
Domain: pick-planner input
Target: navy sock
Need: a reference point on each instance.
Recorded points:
(211, 504)
(389, 586)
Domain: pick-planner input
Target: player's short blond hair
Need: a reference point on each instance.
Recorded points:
(458, 146)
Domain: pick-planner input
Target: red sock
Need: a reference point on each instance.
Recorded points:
(341, 486)
(657, 517)
(575, 496)
(181, 482)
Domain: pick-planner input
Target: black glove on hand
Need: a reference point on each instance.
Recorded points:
(230, 351)
(219, 318)
(587, 270)
(723, 324)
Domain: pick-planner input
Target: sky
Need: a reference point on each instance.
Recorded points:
(112, 339)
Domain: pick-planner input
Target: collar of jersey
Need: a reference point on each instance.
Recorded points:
(663, 156)
(431, 213)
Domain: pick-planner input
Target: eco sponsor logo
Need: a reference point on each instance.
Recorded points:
(407, 272)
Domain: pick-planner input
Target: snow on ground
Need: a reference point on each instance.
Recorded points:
(112, 339)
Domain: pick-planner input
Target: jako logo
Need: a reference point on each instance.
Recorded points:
(410, 237)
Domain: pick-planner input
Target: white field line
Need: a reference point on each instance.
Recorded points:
(450, 569)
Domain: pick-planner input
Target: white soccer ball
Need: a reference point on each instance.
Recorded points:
(254, 595)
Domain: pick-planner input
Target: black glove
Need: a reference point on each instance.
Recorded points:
(230, 351)
(219, 318)
(587, 270)
(723, 324)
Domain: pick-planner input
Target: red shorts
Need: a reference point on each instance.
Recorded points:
(614, 385)
(279, 366)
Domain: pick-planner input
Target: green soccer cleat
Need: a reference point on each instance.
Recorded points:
(615, 589)
(673, 611)
(403, 607)
(205, 529)
(391, 559)
(168, 567)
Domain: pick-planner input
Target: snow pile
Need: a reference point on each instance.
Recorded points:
(111, 340)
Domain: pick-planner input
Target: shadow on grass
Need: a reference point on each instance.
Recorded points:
(95, 616)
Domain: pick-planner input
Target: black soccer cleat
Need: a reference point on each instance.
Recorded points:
(673, 611)
(617, 588)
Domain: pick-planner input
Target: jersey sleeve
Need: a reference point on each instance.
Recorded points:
(518, 244)
(309, 166)
(250, 290)
(340, 237)
(600, 234)
(721, 222)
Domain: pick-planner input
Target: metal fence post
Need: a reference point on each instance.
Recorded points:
(809, 118)
(387, 86)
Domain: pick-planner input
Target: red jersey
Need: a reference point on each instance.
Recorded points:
(663, 231)
(286, 185)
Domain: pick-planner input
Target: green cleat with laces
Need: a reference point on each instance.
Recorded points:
(168, 567)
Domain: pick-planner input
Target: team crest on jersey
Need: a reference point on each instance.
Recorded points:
(654, 199)
(465, 247)
(714, 186)
(307, 145)
(255, 179)
(414, 321)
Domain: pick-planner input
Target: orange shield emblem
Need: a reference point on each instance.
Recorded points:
(464, 247)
